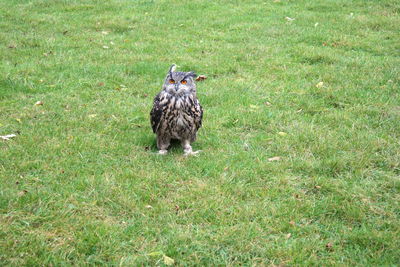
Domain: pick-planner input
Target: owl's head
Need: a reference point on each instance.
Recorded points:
(178, 83)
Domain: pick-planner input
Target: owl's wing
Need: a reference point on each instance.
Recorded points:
(156, 113)
(198, 114)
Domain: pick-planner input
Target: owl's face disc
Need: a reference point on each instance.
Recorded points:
(179, 83)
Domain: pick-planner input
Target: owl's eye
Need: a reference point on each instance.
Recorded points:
(183, 82)
(171, 81)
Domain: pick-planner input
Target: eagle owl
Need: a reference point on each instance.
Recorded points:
(176, 112)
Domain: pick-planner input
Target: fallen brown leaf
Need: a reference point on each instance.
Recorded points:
(292, 223)
(288, 235)
(201, 78)
(39, 103)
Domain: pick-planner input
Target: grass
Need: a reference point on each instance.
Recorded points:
(80, 184)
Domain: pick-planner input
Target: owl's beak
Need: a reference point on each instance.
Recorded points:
(176, 87)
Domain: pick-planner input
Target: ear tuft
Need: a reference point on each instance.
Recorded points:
(172, 68)
(192, 74)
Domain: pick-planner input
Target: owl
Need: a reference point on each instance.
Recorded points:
(176, 112)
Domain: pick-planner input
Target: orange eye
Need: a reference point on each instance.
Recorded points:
(183, 82)
(171, 81)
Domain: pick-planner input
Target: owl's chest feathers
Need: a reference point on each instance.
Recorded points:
(177, 105)
(177, 114)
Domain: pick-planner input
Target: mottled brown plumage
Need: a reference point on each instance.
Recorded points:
(176, 112)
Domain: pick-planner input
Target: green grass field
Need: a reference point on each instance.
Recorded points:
(315, 83)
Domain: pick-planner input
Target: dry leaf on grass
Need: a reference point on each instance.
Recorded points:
(201, 78)
(148, 207)
(168, 261)
(282, 133)
(254, 107)
(329, 246)
(246, 146)
(39, 103)
(289, 19)
(288, 235)
(7, 137)
(274, 159)
(155, 253)
(319, 85)
(23, 192)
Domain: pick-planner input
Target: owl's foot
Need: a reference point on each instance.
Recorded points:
(191, 153)
(163, 152)
(187, 148)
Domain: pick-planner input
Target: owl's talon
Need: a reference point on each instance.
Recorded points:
(192, 153)
(162, 152)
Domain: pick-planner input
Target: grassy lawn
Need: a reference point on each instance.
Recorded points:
(311, 84)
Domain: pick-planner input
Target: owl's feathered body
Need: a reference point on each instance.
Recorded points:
(176, 112)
